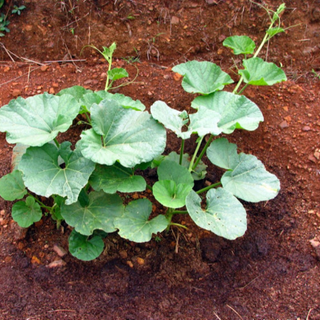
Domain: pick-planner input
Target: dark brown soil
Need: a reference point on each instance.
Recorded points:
(272, 272)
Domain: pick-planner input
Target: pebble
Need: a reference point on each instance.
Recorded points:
(306, 128)
(316, 245)
(175, 20)
(57, 264)
(59, 250)
(284, 124)
(16, 93)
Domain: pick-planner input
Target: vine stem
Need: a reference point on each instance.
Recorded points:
(203, 152)
(209, 187)
(195, 154)
(181, 151)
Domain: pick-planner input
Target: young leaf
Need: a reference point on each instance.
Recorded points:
(99, 214)
(85, 248)
(135, 225)
(240, 44)
(197, 174)
(37, 120)
(172, 119)
(76, 91)
(170, 194)
(117, 73)
(25, 213)
(202, 77)
(235, 111)
(250, 180)
(115, 178)
(43, 175)
(125, 135)
(261, 73)
(273, 31)
(224, 214)
(12, 186)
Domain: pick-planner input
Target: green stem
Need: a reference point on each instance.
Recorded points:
(195, 154)
(209, 187)
(107, 87)
(41, 203)
(203, 152)
(178, 225)
(180, 212)
(181, 151)
(56, 142)
(243, 88)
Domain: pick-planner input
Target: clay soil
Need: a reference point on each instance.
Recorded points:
(273, 271)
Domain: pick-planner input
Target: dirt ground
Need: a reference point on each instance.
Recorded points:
(273, 271)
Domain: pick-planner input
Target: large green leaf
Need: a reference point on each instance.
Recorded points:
(125, 135)
(250, 180)
(236, 112)
(170, 170)
(170, 194)
(172, 119)
(202, 77)
(116, 178)
(240, 44)
(85, 248)
(17, 152)
(203, 122)
(12, 186)
(45, 175)
(25, 213)
(261, 73)
(37, 120)
(224, 214)
(247, 177)
(135, 225)
(99, 213)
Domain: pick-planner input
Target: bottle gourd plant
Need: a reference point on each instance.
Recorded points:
(86, 182)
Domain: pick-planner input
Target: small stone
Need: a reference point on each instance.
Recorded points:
(35, 260)
(306, 128)
(57, 264)
(123, 254)
(130, 264)
(177, 76)
(211, 2)
(317, 154)
(175, 20)
(6, 69)
(284, 124)
(44, 68)
(140, 261)
(316, 245)
(51, 91)
(16, 93)
(19, 233)
(2, 212)
(59, 250)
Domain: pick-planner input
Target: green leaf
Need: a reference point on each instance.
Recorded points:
(172, 119)
(235, 111)
(223, 154)
(250, 180)
(224, 214)
(247, 177)
(17, 152)
(273, 31)
(115, 178)
(38, 119)
(170, 194)
(175, 183)
(261, 73)
(170, 170)
(202, 77)
(25, 213)
(43, 175)
(85, 248)
(197, 174)
(117, 73)
(135, 225)
(12, 186)
(76, 91)
(99, 214)
(125, 135)
(240, 44)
